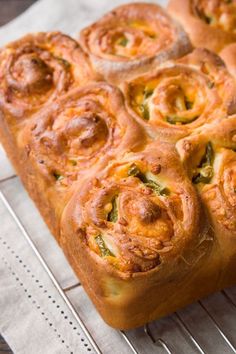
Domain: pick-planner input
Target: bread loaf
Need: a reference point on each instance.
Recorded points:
(136, 181)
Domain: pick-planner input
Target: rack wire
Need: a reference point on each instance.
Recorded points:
(157, 342)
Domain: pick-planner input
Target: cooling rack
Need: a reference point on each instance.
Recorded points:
(206, 327)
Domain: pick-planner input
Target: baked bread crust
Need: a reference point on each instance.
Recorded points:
(209, 23)
(137, 187)
(218, 194)
(73, 138)
(228, 54)
(34, 72)
(155, 242)
(132, 39)
(37, 69)
(181, 95)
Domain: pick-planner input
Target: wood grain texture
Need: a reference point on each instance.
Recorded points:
(9, 10)
(4, 348)
(12, 8)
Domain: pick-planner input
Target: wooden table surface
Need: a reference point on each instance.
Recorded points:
(8, 10)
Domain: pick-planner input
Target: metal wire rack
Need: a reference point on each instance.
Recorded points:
(178, 333)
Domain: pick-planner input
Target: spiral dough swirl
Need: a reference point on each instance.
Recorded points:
(181, 96)
(137, 212)
(37, 69)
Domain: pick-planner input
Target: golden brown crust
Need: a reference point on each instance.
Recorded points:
(154, 240)
(143, 206)
(181, 95)
(37, 69)
(132, 39)
(210, 160)
(228, 54)
(218, 188)
(209, 23)
(138, 212)
(84, 127)
(33, 182)
(75, 136)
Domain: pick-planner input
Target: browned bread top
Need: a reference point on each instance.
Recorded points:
(228, 54)
(138, 212)
(79, 133)
(39, 68)
(209, 23)
(181, 95)
(136, 182)
(131, 39)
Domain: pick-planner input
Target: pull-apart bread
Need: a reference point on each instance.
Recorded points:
(137, 182)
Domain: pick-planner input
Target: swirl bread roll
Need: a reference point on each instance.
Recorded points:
(209, 23)
(137, 224)
(82, 130)
(181, 95)
(132, 39)
(37, 69)
(209, 156)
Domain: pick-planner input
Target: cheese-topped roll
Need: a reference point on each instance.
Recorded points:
(88, 125)
(209, 23)
(137, 222)
(37, 69)
(182, 95)
(132, 39)
(209, 157)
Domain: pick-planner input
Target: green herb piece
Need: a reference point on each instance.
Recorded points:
(57, 176)
(133, 170)
(147, 93)
(204, 176)
(210, 84)
(73, 162)
(171, 119)
(209, 156)
(145, 111)
(113, 214)
(123, 42)
(188, 104)
(204, 17)
(156, 187)
(152, 36)
(174, 119)
(136, 172)
(205, 169)
(208, 19)
(64, 62)
(105, 252)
